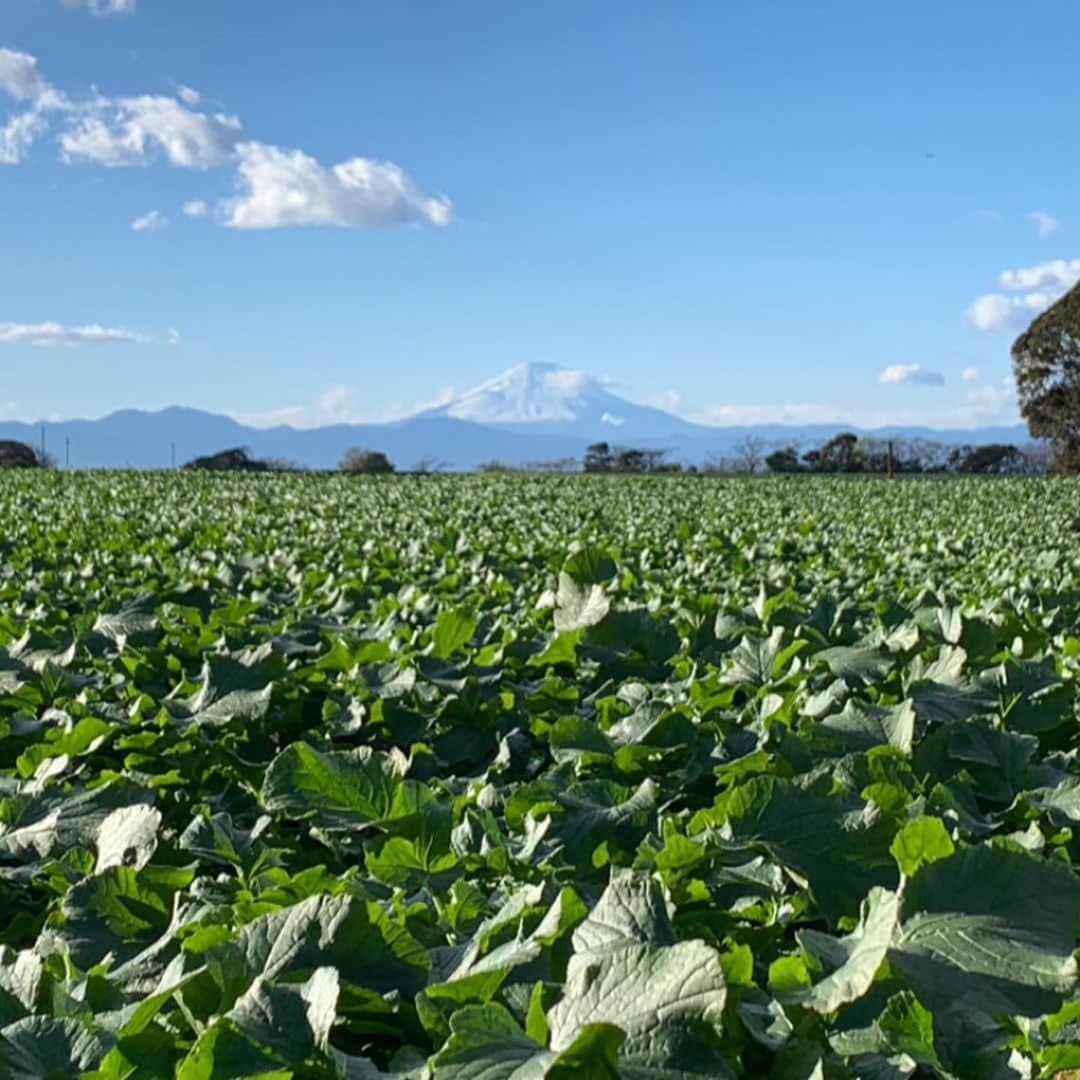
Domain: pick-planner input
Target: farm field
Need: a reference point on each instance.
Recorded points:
(506, 777)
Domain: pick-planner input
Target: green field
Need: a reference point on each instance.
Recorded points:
(511, 777)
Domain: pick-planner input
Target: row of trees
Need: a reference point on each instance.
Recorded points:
(356, 460)
(844, 453)
(847, 453)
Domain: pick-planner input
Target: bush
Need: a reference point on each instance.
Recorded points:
(17, 455)
(365, 462)
(235, 460)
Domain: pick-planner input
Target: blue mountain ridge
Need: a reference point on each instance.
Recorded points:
(134, 438)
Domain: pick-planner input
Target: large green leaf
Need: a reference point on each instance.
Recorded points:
(990, 931)
(354, 936)
(341, 790)
(852, 961)
(666, 999)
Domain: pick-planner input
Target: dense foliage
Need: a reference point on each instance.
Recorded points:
(17, 455)
(560, 777)
(1046, 363)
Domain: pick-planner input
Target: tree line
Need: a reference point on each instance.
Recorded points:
(843, 453)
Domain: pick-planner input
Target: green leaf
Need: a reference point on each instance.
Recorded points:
(593, 1055)
(631, 909)
(41, 825)
(356, 937)
(486, 1043)
(922, 841)
(341, 790)
(47, 1048)
(128, 837)
(990, 931)
(577, 606)
(852, 961)
(862, 726)
(452, 631)
(665, 999)
(909, 1029)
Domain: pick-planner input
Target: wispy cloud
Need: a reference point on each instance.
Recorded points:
(127, 131)
(103, 7)
(990, 402)
(196, 208)
(1044, 223)
(913, 374)
(1027, 291)
(340, 404)
(969, 374)
(154, 221)
(802, 412)
(52, 334)
(20, 79)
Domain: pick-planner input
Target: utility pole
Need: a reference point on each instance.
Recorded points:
(173, 458)
(891, 463)
(67, 451)
(42, 444)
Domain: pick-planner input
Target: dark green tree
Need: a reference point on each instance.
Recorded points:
(1046, 363)
(598, 458)
(366, 462)
(17, 455)
(839, 453)
(991, 458)
(785, 460)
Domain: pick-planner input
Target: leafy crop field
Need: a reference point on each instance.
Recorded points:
(567, 777)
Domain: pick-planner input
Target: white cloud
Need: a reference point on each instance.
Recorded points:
(1060, 273)
(128, 131)
(993, 311)
(173, 337)
(19, 134)
(991, 403)
(804, 412)
(340, 404)
(969, 374)
(276, 187)
(21, 80)
(914, 374)
(49, 334)
(1044, 223)
(154, 221)
(19, 76)
(288, 187)
(668, 400)
(400, 410)
(103, 7)
(1037, 287)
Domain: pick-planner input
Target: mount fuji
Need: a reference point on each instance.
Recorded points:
(553, 400)
(529, 413)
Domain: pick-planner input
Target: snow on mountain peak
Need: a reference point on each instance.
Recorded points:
(531, 393)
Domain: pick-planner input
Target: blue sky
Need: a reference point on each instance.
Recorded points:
(739, 211)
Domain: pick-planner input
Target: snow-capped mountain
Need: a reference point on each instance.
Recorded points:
(549, 399)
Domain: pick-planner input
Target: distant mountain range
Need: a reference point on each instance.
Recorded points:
(530, 413)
